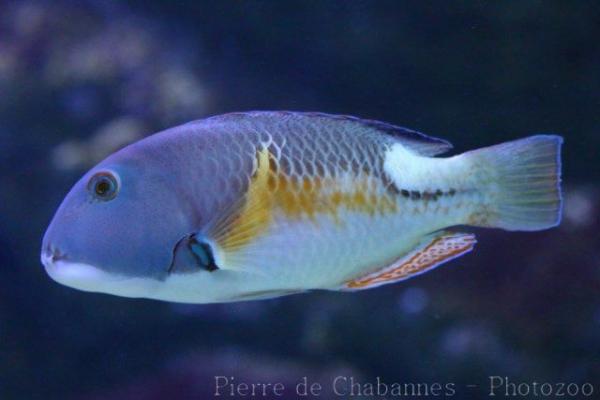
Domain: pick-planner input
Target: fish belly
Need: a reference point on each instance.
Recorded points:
(323, 252)
(362, 224)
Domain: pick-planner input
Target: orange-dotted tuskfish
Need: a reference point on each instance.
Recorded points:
(263, 204)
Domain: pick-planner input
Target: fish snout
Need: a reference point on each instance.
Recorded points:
(66, 271)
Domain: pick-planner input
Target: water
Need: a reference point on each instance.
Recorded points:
(81, 79)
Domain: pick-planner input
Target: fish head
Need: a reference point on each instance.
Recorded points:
(115, 230)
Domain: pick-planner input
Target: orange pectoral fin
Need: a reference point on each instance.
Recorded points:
(441, 248)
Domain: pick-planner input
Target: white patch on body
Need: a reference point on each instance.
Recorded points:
(92, 279)
(412, 171)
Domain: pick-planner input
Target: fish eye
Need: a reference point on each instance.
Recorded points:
(103, 186)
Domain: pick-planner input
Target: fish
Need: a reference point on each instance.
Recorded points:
(262, 204)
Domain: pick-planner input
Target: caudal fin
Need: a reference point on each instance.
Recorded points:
(522, 184)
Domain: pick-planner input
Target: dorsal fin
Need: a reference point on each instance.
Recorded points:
(416, 141)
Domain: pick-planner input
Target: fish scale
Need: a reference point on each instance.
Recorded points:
(248, 206)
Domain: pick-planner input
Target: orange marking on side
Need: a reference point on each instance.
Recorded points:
(298, 196)
(256, 213)
(310, 196)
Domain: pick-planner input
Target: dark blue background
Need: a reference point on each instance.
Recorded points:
(80, 79)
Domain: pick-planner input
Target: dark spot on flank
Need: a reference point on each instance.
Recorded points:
(426, 195)
(429, 196)
(389, 184)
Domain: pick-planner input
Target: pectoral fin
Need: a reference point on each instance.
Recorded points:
(432, 252)
(249, 217)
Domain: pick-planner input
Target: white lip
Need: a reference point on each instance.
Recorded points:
(92, 279)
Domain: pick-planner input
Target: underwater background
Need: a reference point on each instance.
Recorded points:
(80, 79)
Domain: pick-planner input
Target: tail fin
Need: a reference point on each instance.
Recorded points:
(524, 184)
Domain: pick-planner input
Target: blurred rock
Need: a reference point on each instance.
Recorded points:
(179, 94)
(469, 340)
(80, 79)
(68, 46)
(413, 300)
(581, 207)
(27, 18)
(79, 154)
(8, 63)
(106, 54)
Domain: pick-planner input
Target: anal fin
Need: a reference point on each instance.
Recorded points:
(432, 252)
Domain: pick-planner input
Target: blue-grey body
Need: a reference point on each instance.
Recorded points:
(255, 205)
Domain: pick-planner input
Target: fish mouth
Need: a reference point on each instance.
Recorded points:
(77, 275)
(53, 254)
(90, 278)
